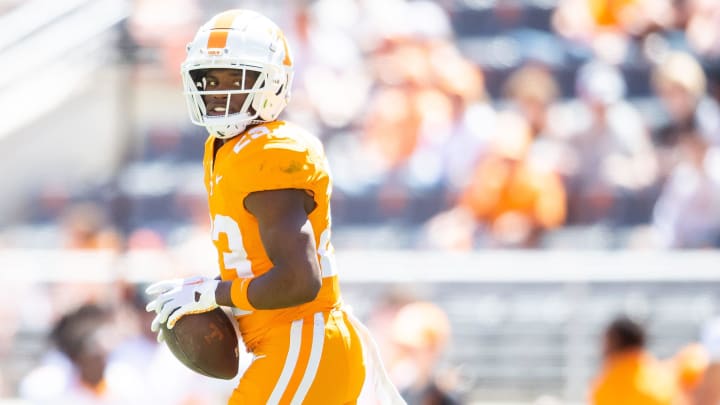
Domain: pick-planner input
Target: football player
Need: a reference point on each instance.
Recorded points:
(269, 188)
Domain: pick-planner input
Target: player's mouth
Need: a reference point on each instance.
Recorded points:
(215, 111)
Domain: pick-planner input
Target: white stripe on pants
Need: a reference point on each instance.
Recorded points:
(316, 348)
(314, 361)
(290, 362)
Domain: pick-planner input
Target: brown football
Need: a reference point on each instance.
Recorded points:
(206, 343)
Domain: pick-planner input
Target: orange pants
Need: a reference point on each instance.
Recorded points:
(315, 360)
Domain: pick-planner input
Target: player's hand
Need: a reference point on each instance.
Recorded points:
(180, 297)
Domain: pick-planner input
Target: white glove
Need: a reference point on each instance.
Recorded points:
(180, 297)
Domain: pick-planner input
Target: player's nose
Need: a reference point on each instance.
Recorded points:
(218, 99)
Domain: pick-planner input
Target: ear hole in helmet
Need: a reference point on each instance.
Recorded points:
(197, 76)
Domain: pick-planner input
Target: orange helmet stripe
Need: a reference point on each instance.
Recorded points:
(286, 61)
(219, 32)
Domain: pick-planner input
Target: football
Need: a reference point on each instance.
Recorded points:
(206, 343)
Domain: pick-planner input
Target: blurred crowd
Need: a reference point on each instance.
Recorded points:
(99, 350)
(474, 124)
(422, 136)
(94, 346)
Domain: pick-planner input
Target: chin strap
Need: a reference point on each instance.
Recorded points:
(228, 132)
(225, 130)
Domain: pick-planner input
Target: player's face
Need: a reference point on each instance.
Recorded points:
(227, 79)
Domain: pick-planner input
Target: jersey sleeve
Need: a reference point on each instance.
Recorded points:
(277, 165)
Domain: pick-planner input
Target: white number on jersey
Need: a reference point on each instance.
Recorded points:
(235, 259)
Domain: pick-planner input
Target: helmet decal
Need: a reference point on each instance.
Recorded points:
(219, 31)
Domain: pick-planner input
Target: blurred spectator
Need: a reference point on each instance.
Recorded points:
(85, 226)
(681, 84)
(611, 158)
(702, 25)
(689, 365)
(631, 375)
(607, 26)
(510, 194)
(453, 229)
(420, 331)
(393, 124)
(532, 91)
(610, 13)
(138, 348)
(103, 357)
(76, 373)
(455, 114)
(79, 336)
(145, 239)
(687, 214)
(381, 318)
(708, 390)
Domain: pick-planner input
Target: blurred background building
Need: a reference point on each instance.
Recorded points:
(454, 128)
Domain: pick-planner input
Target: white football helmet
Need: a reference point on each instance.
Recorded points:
(243, 40)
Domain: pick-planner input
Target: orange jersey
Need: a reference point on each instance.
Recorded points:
(271, 156)
(635, 378)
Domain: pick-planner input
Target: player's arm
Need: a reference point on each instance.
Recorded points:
(288, 239)
(295, 278)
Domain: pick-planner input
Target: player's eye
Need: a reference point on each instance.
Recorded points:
(237, 83)
(211, 83)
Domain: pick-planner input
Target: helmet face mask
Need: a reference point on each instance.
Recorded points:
(230, 120)
(252, 43)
